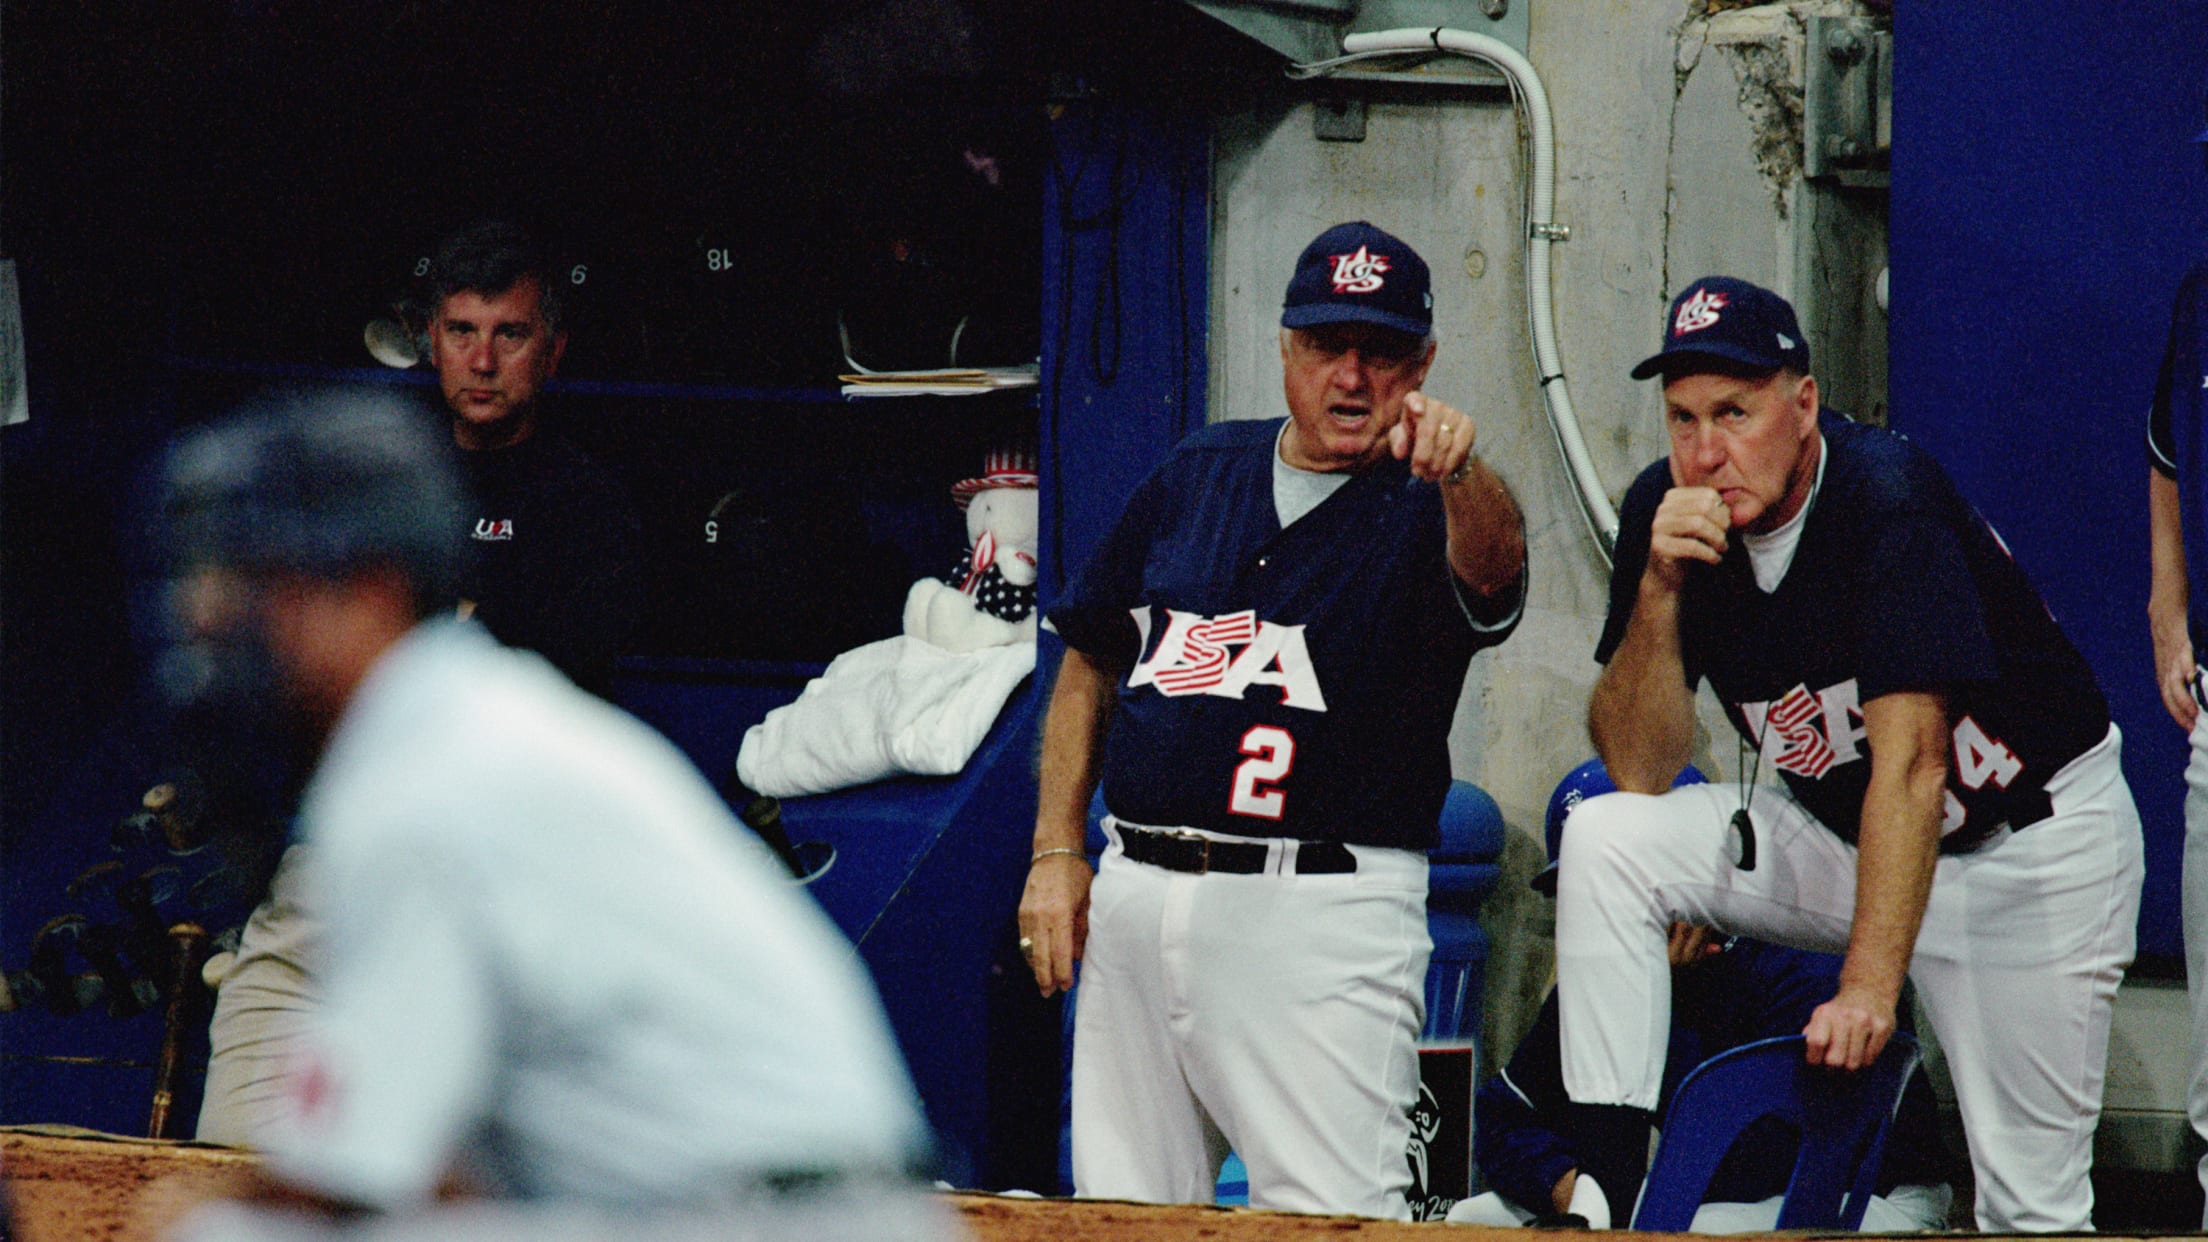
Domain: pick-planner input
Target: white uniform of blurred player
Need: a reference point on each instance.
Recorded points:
(556, 973)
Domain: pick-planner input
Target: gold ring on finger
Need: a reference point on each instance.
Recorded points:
(1027, 944)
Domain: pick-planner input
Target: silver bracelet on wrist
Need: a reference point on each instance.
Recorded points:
(1040, 855)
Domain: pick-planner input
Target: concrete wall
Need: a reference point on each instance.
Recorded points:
(1671, 162)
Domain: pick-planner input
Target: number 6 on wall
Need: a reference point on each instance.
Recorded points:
(1272, 752)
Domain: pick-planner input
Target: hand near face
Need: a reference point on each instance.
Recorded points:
(1434, 436)
(1690, 525)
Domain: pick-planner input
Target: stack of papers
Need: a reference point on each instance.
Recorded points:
(949, 383)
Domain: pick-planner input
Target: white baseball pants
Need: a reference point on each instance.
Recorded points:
(262, 1006)
(2023, 944)
(1275, 1014)
(2193, 898)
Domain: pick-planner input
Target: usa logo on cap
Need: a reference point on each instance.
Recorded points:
(1356, 273)
(1359, 272)
(1699, 312)
(1721, 322)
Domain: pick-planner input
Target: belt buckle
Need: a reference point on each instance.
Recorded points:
(1203, 851)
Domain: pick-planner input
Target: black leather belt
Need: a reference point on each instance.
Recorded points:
(1195, 854)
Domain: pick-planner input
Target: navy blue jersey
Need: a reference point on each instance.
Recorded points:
(1897, 585)
(2177, 431)
(1521, 1132)
(1293, 683)
(555, 558)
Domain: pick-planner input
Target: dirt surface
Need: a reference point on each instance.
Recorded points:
(81, 1187)
(75, 1186)
(994, 1219)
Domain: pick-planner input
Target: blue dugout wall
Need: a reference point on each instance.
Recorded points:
(2047, 195)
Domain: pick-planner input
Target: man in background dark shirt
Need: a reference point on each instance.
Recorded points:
(554, 570)
(555, 538)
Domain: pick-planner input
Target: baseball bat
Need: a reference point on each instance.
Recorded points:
(189, 938)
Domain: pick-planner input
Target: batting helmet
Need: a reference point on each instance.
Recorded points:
(324, 484)
(1588, 780)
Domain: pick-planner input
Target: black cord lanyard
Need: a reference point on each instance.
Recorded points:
(1742, 823)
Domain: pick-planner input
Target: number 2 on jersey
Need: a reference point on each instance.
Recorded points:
(1272, 752)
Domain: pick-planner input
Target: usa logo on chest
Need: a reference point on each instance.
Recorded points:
(1226, 656)
(494, 528)
(1809, 733)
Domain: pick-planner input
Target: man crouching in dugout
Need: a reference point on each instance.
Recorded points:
(1953, 811)
(1262, 662)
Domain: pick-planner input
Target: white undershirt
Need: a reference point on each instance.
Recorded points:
(1770, 553)
(1297, 491)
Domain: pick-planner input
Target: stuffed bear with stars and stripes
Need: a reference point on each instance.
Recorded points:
(988, 598)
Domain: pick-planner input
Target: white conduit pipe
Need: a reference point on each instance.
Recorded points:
(1541, 232)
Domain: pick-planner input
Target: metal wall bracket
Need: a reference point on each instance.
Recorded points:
(1848, 101)
(1549, 231)
(1304, 31)
(1338, 119)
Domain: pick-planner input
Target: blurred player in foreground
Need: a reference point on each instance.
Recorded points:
(559, 980)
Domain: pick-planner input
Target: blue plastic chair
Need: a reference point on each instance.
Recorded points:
(1462, 872)
(1843, 1119)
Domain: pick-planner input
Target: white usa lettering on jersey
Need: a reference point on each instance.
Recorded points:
(1792, 741)
(1196, 655)
(1789, 734)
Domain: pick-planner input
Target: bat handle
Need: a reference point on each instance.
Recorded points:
(190, 939)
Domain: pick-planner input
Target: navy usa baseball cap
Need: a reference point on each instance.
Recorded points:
(1355, 273)
(1720, 320)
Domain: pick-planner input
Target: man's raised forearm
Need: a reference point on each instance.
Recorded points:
(1487, 534)
(1641, 715)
